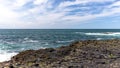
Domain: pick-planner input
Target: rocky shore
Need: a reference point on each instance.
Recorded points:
(79, 54)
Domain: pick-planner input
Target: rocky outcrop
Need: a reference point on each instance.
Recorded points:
(80, 54)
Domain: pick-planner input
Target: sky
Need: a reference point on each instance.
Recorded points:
(59, 14)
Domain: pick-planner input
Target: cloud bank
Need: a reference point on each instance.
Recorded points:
(54, 13)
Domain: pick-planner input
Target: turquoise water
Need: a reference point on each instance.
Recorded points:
(15, 40)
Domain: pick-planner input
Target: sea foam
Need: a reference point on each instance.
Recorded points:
(64, 41)
(105, 34)
(27, 40)
(5, 56)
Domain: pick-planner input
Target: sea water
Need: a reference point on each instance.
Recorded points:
(13, 41)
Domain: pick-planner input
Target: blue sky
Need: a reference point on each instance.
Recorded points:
(60, 14)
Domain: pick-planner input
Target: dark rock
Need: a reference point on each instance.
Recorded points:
(11, 66)
(80, 54)
(36, 65)
(75, 67)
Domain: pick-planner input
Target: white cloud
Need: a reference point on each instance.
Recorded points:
(40, 17)
(39, 2)
(7, 15)
(116, 4)
(68, 3)
(20, 3)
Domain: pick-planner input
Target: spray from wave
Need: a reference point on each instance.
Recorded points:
(5, 56)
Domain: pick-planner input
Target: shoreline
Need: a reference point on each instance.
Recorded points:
(79, 54)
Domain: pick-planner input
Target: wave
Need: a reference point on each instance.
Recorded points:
(5, 56)
(30, 41)
(105, 34)
(64, 41)
(99, 38)
(27, 40)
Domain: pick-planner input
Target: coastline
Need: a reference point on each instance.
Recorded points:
(79, 54)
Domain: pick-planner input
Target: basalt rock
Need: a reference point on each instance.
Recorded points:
(79, 54)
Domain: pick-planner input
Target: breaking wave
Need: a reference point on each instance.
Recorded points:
(5, 56)
(105, 34)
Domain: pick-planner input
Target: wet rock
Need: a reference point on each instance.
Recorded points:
(79, 54)
(36, 65)
(11, 66)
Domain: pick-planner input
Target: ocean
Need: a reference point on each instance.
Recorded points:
(13, 41)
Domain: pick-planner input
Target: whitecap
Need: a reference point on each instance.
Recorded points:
(29, 41)
(105, 34)
(26, 38)
(99, 38)
(79, 32)
(5, 56)
(64, 41)
(9, 42)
